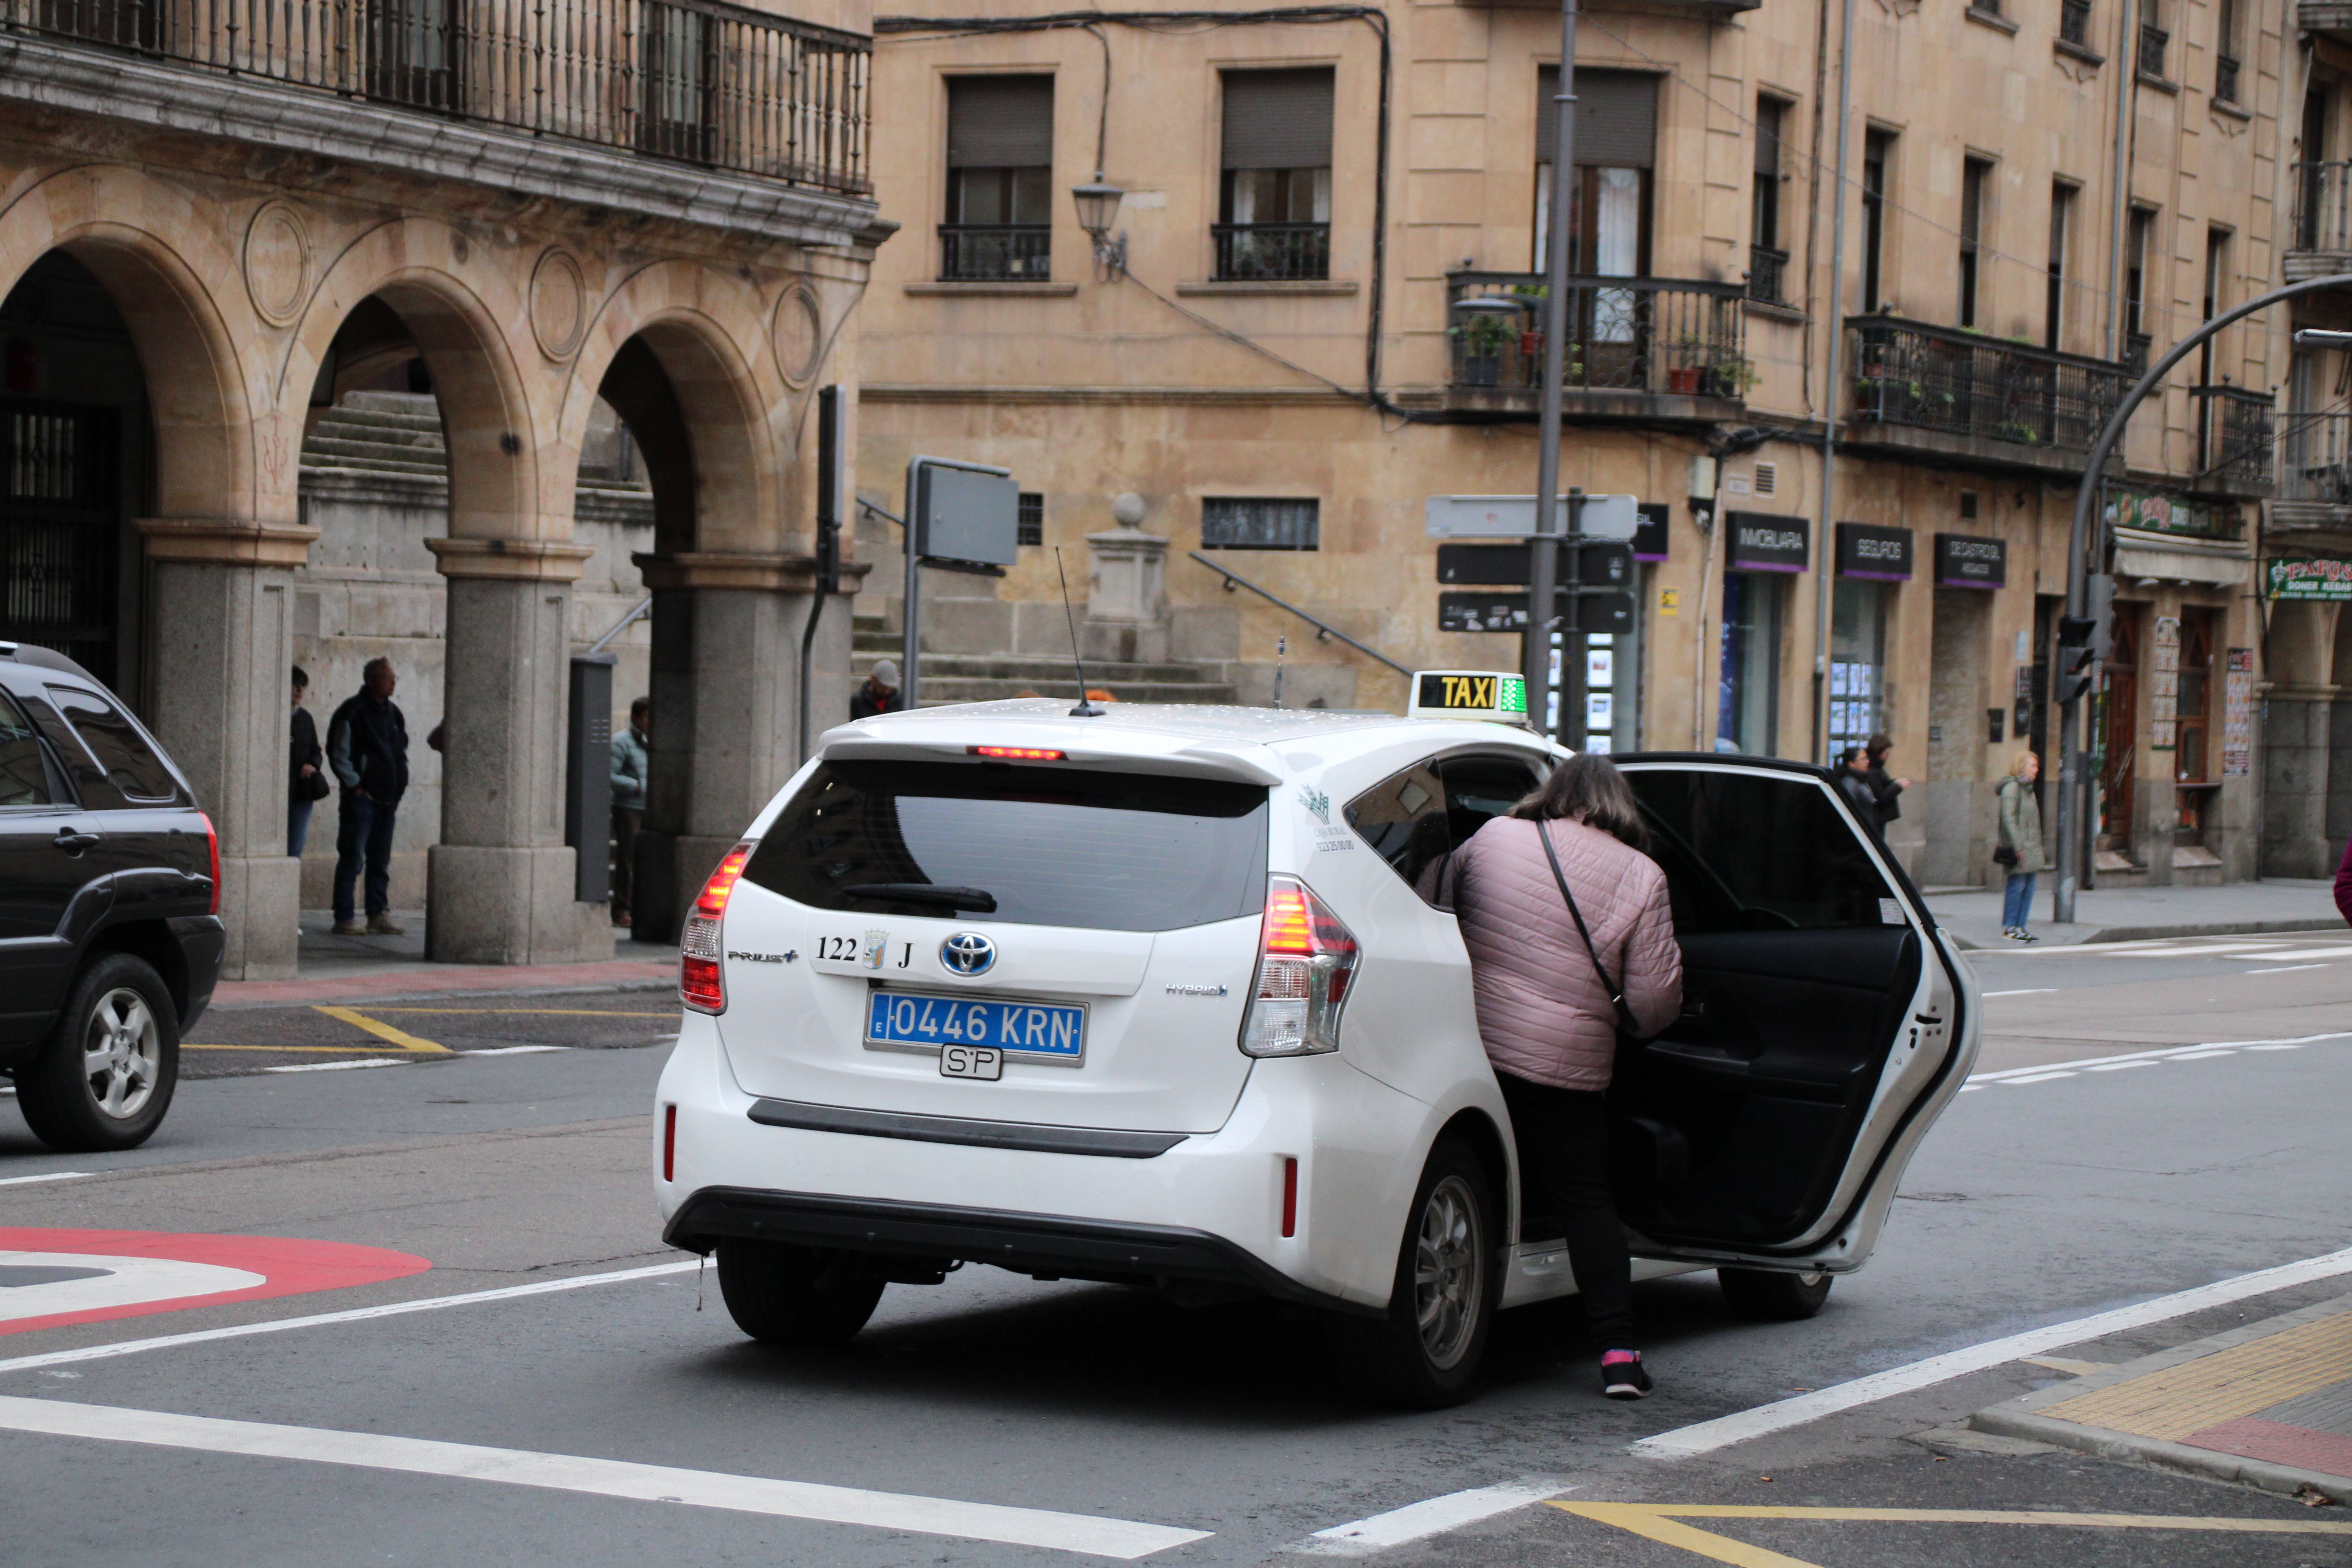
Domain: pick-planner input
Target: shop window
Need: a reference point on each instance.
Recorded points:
(2115, 724)
(1747, 700)
(1857, 661)
(2193, 756)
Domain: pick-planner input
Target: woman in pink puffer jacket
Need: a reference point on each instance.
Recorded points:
(1548, 1020)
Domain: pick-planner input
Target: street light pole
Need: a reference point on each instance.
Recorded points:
(2073, 809)
(1543, 571)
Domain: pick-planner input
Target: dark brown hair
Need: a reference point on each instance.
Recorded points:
(1590, 789)
(1877, 746)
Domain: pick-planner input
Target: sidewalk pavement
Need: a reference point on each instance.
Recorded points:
(2132, 914)
(2268, 1406)
(372, 968)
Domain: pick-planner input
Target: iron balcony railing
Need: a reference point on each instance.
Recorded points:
(2234, 437)
(2323, 215)
(972, 252)
(2151, 49)
(1940, 378)
(1272, 252)
(2315, 459)
(1767, 274)
(696, 81)
(1625, 334)
(2074, 22)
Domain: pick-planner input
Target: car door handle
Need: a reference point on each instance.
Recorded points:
(73, 842)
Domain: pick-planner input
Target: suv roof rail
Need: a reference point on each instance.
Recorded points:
(46, 658)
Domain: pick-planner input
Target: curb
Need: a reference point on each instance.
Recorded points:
(429, 981)
(2153, 933)
(2021, 1417)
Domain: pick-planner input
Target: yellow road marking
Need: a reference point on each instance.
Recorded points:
(1661, 1522)
(530, 1012)
(2068, 1364)
(2185, 1399)
(335, 1050)
(383, 1031)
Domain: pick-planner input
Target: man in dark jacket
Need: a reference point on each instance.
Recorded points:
(367, 746)
(1884, 785)
(1853, 783)
(879, 694)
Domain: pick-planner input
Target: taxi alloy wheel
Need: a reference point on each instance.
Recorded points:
(1448, 1277)
(1772, 1296)
(1424, 1350)
(106, 1076)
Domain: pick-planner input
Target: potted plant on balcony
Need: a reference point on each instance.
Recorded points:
(1730, 378)
(1479, 335)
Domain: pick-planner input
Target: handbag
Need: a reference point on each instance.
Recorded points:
(316, 786)
(2004, 855)
(1628, 1032)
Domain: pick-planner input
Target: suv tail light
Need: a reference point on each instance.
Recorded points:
(212, 845)
(1305, 957)
(701, 983)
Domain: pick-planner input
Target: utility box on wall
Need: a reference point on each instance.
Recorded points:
(588, 775)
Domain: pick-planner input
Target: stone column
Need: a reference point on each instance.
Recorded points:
(220, 656)
(1127, 606)
(499, 883)
(726, 697)
(2297, 721)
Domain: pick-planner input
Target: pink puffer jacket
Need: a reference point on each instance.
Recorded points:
(1542, 1011)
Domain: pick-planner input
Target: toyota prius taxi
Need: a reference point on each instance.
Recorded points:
(1169, 996)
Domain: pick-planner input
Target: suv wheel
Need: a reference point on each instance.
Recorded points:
(1424, 1351)
(805, 1297)
(1772, 1296)
(105, 1077)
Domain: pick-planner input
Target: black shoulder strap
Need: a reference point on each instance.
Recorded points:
(1616, 994)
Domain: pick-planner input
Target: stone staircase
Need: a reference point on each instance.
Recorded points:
(988, 676)
(399, 433)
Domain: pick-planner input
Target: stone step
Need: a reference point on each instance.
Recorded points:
(319, 461)
(421, 403)
(338, 447)
(939, 693)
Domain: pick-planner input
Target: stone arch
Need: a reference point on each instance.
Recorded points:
(454, 297)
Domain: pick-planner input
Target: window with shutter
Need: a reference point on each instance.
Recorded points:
(1609, 189)
(1275, 204)
(1000, 178)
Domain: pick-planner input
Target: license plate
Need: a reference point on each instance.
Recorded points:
(972, 1061)
(1037, 1029)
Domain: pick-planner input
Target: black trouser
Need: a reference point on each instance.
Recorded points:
(1563, 1137)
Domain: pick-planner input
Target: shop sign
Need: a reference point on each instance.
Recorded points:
(1962, 562)
(1864, 549)
(2164, 686)
(2170, 514)
(2308, 579)
(1650, 534)
(2238, 713)
(1761, 541)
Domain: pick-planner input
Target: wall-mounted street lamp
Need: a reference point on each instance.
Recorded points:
(1097, 202)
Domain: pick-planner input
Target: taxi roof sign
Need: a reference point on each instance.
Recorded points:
(1493, 695)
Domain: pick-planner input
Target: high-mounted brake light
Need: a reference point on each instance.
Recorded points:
(212, 845)
(1306, 955)
(1018, 753)
(701, 983)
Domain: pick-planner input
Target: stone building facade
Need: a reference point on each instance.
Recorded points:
(221, 227)
(1325, 314)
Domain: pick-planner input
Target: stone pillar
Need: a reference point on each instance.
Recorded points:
(2296, 754)
(726, 697)
(1127, 606)
(220, 654)
(499, 884)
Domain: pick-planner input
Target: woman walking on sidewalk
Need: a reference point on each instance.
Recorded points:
(2020, 845)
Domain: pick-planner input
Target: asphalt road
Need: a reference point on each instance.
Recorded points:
(2049, 1191)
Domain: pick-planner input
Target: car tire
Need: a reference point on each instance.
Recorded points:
(805, 1297)
(1771, 1296)
(104, 1078)
(1424, 1351)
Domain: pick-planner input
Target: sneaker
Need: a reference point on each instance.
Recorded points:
(1622, 1376)
(2021, 934)
(384, 925)
(348, 928)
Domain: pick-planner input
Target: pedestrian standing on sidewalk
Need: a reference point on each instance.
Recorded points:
(367, 746)
(1884, 786)
(2344, 885)
(632, 767)
(879, 694)
(1572, 943)
(2020, 846)
(306, 781)
(1853, 783)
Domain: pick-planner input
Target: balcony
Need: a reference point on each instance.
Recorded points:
(1951, 394)
(1768, 271)
(2234, 441)
(2314, 480)
(1645, 349)
(995, 252)
(688, 81)
(2322, 245)
(1272, 252)
(2331, 18)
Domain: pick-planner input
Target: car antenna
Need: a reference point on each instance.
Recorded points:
(1085, 707)
(1281, 646)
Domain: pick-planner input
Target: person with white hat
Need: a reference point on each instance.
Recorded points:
(879, 694)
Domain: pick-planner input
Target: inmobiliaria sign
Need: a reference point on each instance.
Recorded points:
(1759, 541)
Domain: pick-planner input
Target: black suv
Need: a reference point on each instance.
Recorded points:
(110, 934)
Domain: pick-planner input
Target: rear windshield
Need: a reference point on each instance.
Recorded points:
(1045, 845)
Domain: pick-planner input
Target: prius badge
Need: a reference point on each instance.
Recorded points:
(968, 953)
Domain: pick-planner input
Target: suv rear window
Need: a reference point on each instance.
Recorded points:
(133, 769)
(1056, 847)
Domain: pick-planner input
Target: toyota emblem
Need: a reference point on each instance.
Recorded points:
(968, 953)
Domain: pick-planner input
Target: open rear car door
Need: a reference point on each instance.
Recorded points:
(1825, 1024)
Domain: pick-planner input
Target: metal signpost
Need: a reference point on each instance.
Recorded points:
(1544, 551)
(963, 517)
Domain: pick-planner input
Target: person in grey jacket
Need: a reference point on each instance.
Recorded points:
(1547, 1016)
(632, 768)
(2020, 845)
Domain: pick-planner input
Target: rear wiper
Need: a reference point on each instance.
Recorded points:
(976, 899)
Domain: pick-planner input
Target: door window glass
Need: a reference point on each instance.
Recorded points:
(24, 776)
(1749, 852)
(1403, 819)
(130, 767)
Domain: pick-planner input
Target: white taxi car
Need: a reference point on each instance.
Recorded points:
(1165, 996)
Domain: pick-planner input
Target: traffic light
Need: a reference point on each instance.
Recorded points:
(2083, 640)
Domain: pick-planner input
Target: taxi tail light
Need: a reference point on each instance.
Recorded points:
(701, 985)
(212, 847)
(1305, 958)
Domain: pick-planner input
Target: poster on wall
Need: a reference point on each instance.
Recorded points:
(2238, 714)
(2164, 685)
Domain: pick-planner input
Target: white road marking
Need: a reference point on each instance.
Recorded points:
(2039, 1076)
(2120, 1067)
(52, 1176)
(2290, 969)
(345, 1066)
(512, 1050)
(2037, 991)
(1706, 1437)
(1414, 1521)
(352, 1315)
(2008, 1075)
(1119, 1537)
(2304, 953)
(113, 1282)
(2200, 1055)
